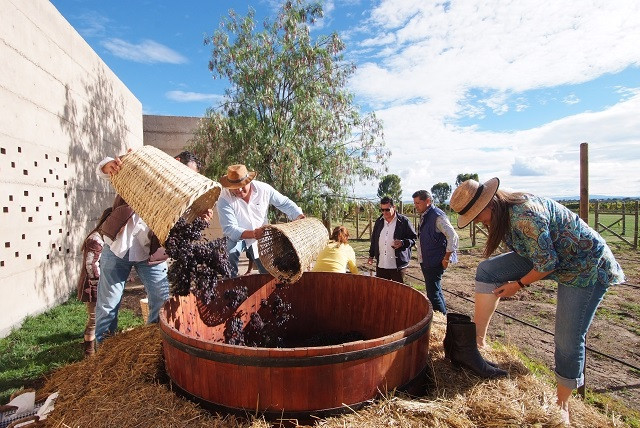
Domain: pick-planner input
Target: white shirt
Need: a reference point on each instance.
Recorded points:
(134, 235)
(249, 215)
(387, 259)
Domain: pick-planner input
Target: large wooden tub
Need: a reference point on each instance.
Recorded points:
(394, 320)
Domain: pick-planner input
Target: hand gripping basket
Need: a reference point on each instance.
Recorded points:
(161, 189)
(287, 249)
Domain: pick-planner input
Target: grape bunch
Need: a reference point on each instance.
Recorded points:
(197, 264)
(233, 334)
(235, 296)
(280, 310)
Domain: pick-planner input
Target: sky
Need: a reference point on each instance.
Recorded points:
(500, 88)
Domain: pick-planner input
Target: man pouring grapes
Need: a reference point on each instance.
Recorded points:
(242, 209)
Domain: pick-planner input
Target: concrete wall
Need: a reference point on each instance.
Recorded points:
(171, 134)
(63, 110)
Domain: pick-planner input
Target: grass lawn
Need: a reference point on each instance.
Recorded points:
(44, 343)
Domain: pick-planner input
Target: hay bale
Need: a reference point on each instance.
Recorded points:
(125, 385)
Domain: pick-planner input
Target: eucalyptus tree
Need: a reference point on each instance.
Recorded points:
(390, 186)
(441, 192)
(287, 112)
(461, 178)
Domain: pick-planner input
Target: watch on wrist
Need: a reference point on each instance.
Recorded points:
(521, 284)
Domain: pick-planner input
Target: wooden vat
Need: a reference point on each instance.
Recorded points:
(393, 319)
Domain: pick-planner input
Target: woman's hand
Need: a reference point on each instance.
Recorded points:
(507, 290)
(112, 167)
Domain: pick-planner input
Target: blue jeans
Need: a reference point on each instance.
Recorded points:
(575, 310)
(433, 284)
(114, 272)
(235, 249)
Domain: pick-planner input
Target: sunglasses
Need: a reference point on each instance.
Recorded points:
(385, 209)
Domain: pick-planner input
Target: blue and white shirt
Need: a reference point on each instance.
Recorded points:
(555, 238)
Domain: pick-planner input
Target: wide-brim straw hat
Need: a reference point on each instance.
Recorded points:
(161, 189)
(471, 197)
(237, 176)
(288, 249)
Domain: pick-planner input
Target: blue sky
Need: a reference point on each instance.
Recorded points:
(506, 89)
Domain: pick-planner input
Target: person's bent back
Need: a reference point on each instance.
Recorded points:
(338, 254)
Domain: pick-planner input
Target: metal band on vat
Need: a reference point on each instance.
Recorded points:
(316, 360)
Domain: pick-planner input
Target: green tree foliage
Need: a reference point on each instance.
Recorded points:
(441, 192)
(390, 186)
(287, 112)
(461, 178)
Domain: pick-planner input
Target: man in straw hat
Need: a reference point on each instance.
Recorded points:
(547, 240)
(437, 244)
(242, 209)
(391, 241)
(130, 243)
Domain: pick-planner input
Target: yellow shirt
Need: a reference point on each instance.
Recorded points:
(336, 258)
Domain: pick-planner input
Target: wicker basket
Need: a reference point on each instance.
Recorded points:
(160, 189)
(287, 249)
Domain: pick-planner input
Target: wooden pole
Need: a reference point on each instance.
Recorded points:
(584, 182)
(370, 226)
(635, 233)
(596, 213)
(357, 218)
(584, 215)
(624, 217)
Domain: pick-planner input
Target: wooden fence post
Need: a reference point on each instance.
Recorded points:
(357, 217)
(596, 211)
(624, 216)
(370, 225)
(635, 233)
(472, 231)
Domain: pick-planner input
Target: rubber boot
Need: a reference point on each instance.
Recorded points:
(464, 351)
(454, 318)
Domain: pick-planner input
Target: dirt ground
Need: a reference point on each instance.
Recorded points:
(614, 332)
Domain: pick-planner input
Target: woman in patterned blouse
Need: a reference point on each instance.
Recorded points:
(549, 241)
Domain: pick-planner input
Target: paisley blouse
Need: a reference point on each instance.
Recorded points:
(555, 238)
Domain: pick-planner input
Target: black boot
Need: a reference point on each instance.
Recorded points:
(464, 351)
(454, 318)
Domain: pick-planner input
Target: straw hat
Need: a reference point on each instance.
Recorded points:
(161, 190)
(237, 176)
(471, 197)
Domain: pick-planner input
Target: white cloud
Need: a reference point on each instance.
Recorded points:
(433, 58)
(148, 52)
(188, 97)
(92, 24)
(426, 152)
(571, 99)
(506, 46)
(532, 167)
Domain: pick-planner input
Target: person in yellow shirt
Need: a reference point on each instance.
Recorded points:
(338, 254)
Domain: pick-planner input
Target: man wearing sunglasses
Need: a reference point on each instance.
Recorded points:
(391, 242)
